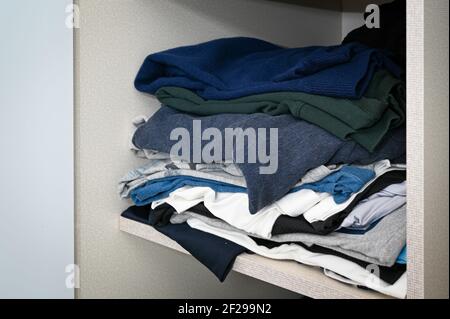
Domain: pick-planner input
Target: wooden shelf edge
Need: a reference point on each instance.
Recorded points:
(290, 275)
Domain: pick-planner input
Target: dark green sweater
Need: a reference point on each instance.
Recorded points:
(366, 121)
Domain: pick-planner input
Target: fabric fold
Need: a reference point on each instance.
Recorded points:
(381, 245)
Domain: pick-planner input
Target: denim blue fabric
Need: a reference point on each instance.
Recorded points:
(235, 67)
(341, 184)
(358, 231)
(301, 147)
(161, 188)
(402, 258)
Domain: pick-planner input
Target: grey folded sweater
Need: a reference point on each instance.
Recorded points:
(301, 147)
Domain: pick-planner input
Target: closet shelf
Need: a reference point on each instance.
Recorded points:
(334, 5)
(302, 279)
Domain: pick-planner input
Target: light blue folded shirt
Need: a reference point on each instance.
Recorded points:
(162, 187)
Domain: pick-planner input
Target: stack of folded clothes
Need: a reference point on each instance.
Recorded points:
(334, 195)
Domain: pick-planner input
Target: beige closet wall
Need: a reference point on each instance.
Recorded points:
(113, 39)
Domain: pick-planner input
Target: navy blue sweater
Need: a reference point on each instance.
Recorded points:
(235, 67)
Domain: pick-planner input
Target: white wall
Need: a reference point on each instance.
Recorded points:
(114, 38)
(36, 162)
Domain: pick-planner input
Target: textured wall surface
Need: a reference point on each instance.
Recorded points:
(113, 39)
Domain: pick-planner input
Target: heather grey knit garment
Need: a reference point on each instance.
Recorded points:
(160, 168)
(301, 147)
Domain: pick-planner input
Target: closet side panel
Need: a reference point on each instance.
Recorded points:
(436, 149)
(415, 148)
(428, 149)
(114, 38)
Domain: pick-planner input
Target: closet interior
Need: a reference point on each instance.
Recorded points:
(173, 50)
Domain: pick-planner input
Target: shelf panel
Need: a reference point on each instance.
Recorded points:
(302, 279)
(335, 5)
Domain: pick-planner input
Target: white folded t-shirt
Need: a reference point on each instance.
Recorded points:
(233, 207)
